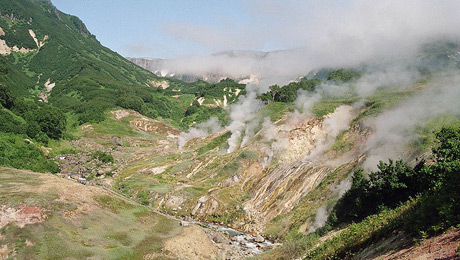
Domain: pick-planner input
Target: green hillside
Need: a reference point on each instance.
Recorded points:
(88, 77)
(55, 75)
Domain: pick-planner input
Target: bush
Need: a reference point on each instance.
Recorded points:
(440, 207)
(391, 185)
(49, 119)
(7, 99)
(343, 75)
(103, 157)
(437, 184)
(130, 102)
(17, 153)
(288, 93)
(10, 123)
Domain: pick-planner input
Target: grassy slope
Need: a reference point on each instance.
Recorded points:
(87, 223)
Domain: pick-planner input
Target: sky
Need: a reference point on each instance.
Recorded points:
(311, 34)
(176, 28)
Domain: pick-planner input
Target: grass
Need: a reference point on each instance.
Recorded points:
(220, 141)
(61, 147)
(382, 100)
(357, 235)
(343, 142)
(186, 100)
(112, 203)
(426, 133)
(135, 184)
(111, 228)
(328, 105)
(275, 111)
(115, 127)
(179, 168)
(249, 155)
(9, 195)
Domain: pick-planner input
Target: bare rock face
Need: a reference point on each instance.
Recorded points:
(283, 187)
(206, 205)
(174, 202)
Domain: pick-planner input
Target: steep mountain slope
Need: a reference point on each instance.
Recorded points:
(59, 61)
(62, 57)
(55, 75)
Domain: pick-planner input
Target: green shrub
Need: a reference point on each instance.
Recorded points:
(10, 123)
(21, 154)
(288, 93)
(50, 120)
(343, 75)
(103, 157)
(391, 185)
(440, 206)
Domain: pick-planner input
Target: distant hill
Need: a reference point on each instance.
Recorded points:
(208, 69)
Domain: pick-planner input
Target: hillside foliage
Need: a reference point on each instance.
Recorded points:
(288, 93)
(81, 79)
(396, 182)
(89, 78)
(421, 200)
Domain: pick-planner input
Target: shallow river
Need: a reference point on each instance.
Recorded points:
(255, 245)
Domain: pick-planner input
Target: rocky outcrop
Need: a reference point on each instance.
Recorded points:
(6, 50)
(280, 189)
(240, 188)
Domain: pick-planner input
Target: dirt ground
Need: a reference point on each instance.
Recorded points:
(192, 244)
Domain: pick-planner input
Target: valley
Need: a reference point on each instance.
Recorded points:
(103, 159)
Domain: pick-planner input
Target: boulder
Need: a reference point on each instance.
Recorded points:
(259, 239)
(218, 239)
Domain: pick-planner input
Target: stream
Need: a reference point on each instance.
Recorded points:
(246, 241)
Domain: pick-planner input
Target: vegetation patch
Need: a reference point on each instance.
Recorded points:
(113, 203)
(219, 141)
(19, 153)
(103, 157)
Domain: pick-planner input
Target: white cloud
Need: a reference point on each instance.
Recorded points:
(320, 33)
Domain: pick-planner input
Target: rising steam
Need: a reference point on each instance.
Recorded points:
(204, 129)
